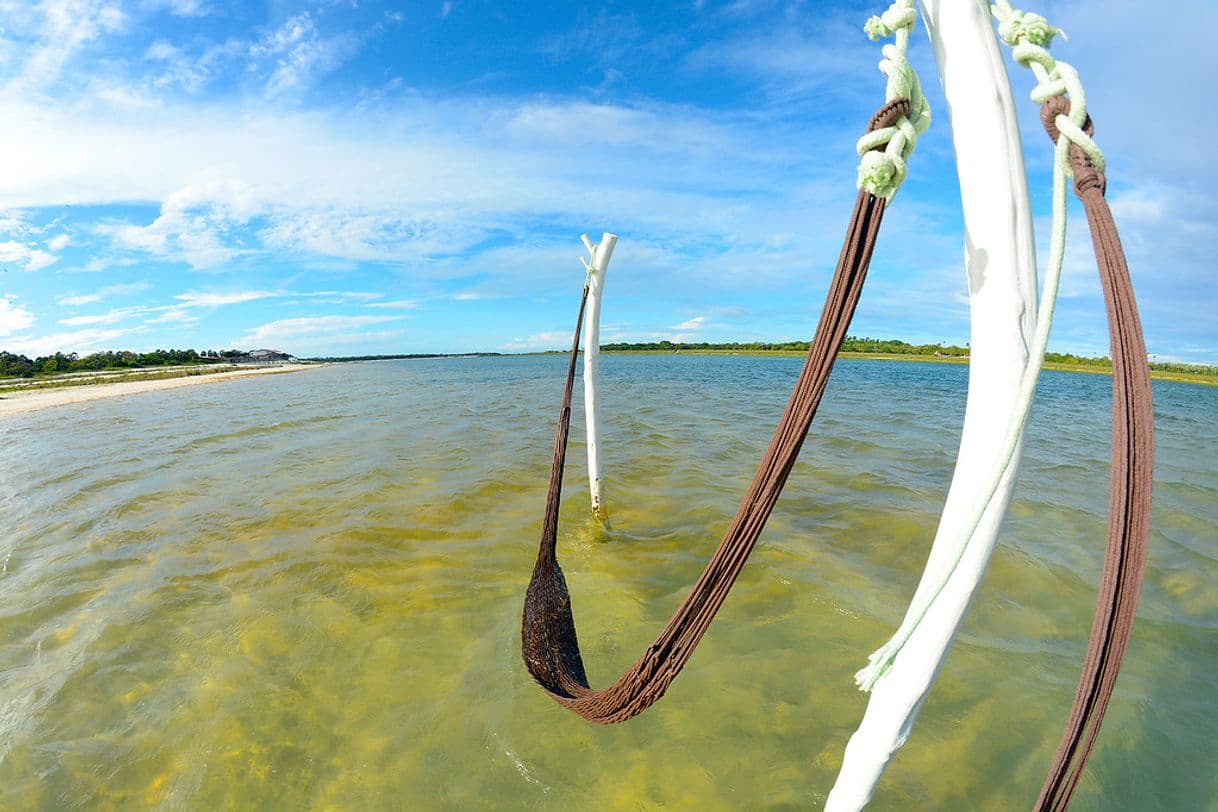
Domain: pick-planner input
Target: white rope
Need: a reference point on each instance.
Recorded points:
(881, 172)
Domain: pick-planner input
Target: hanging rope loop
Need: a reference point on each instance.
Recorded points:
(1064, 115)
(884, 151)
(549, 642)
(1029, 36)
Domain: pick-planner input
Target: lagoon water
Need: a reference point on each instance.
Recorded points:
(304, 592)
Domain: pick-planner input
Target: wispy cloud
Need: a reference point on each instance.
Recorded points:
(197, 299)
(111, 317)
(81, 341)
(310, 328)
(548, 340)
(61, 28)
(299, 53)
(696, 323)
(103, 293)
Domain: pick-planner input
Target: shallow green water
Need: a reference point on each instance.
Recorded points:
(304, 591)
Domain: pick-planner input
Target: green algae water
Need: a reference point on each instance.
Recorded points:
(304, 592)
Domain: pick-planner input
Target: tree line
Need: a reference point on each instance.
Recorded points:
(20, 366)
(851, 344)
(878, 346)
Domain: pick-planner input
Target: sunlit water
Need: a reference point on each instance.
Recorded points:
(304, 591)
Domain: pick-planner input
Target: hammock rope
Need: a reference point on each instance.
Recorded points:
(1069, 127)
(1132, 475)
(548, 638)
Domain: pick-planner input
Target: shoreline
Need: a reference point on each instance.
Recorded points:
(17, 402)
(1155, 374)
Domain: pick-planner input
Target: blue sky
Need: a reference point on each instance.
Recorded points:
(343, 177)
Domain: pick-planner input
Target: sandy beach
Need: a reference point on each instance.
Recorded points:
(12, 403)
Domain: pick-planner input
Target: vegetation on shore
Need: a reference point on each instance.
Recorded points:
(19, 366)
(867, 346)
(889, 349)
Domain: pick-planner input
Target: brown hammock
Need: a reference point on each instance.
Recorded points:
(1132, 474)
(549, 644)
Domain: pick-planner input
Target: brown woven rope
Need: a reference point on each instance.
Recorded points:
(1132, 473)
(548, 639)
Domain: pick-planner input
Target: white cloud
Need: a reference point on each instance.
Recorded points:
(111, 317)
(13, 318)
(65, 27)
(343, 295)
(1136, 205)
(81, 341)
(299, 54)
(104, 293)
(194, 299)
(386, 187)
(398, 304)
(119, 96)
(184, 8)
(174, 315)
(549, 340)
(314, 329)
(58, 243)
(194, 224)
(695, 323)
(34, 259)
(162, 51)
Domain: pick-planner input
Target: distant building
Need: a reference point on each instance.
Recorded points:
(268, 357)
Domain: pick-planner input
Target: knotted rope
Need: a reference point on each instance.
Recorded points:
(883, 152)
(1030, 36)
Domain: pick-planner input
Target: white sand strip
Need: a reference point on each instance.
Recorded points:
(21, 402)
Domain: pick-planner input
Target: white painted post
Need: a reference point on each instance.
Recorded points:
(599, 255)
(1001, 267)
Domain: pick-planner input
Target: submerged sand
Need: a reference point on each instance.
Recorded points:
(12, 403)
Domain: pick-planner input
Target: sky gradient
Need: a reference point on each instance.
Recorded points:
(342, 177)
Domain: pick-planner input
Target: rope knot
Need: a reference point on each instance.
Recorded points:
(1087, 172)
(1020, 27)
(881, 173)
(896, 17)
(894, 132)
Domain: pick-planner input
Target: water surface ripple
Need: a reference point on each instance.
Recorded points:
(304, 591)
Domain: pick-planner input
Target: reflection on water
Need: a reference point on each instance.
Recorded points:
(304, 591)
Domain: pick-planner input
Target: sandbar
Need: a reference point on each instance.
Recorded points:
(13, 403)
